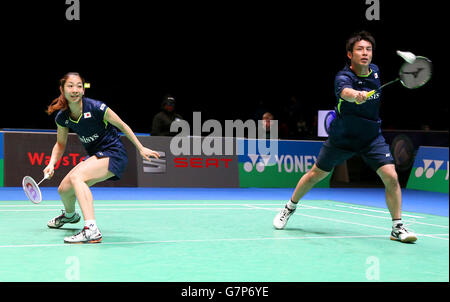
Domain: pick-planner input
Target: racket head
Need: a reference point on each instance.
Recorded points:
(416, 74)
(31, 189)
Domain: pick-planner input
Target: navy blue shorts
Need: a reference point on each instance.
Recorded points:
(118, 160)
(376, 154)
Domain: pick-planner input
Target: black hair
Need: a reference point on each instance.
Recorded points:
(356, 37)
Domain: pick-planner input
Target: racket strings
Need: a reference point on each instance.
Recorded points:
(31, 189)
(416, 74)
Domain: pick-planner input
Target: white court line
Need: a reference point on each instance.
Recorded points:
(342, 211)
(199, 240)
(254, 207)
(209, 240)
(435, 236)
(305, 207)
(370, 210)
(330, 219)
(148, 204)
(141, 209)
(100, 208)
(344, 221)
(382, 217)
(135, 209)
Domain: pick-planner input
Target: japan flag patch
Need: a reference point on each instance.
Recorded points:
(87, 115)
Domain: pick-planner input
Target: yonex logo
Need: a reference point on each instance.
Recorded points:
(428, 170)
(260, 165)
(285, 163)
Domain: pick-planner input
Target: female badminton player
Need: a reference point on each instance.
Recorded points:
(356, 130)
(94, 123)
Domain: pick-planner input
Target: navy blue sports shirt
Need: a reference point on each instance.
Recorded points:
(356, 125)
(346, 78)
(95, 134)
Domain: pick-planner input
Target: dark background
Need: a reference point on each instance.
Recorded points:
(227, 59)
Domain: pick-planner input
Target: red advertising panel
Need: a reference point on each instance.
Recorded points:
(28, 153)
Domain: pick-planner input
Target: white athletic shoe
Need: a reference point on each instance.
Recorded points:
(60, 220)
(86, 235)
(279, 222)
(400, 233)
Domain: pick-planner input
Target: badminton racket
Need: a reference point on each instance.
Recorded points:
(31, 188)
(411, 75)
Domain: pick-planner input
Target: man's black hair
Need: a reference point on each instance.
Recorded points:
(356, 37)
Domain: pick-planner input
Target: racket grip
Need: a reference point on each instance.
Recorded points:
(371, 93)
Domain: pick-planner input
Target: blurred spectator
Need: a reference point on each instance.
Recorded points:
(425, 127)
(162, 120)
(268, 125)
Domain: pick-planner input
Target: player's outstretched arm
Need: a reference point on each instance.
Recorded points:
(354, 96)
(114, 119)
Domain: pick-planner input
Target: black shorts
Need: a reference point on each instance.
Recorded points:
(376, 154)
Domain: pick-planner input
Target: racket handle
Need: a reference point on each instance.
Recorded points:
(371, 93)
(46, 176)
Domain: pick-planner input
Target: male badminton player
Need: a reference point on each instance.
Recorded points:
(356, 130)
(94, 123)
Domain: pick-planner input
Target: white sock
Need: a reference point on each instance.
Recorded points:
(291, 205)
(90, 224)
(69, 215)
(395, 222)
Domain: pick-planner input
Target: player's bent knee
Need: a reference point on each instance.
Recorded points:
(315, 175)
(389, 176)
(75, 177)
(65, 188)
(61, 189)
(391, 180)
(318, 173)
